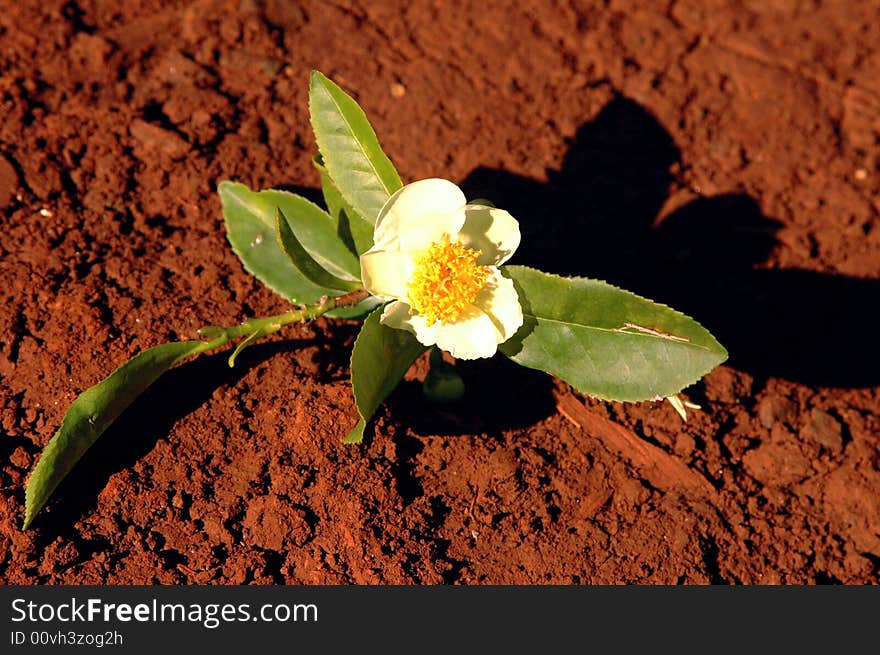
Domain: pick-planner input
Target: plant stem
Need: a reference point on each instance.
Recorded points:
(220, 336)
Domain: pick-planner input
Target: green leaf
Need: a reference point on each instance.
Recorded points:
(442, 384)
(607, 342)
(357, 433)
(364, 175)
(247, 341)
(482, 202)
(352, 228)
(250, 227)
(94, 411)
(304, 262)
(379, 360)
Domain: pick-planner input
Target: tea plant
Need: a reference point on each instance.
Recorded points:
(424, 269)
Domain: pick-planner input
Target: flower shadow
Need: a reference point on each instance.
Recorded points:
(499, 396)
(615, 211)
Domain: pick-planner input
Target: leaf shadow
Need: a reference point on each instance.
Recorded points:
(499, 396)
(344, 229)
(150, 418)
(616, 211)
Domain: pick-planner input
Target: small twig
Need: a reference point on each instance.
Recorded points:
(351, 299)
(259, 327)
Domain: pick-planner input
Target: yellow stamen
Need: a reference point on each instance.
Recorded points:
(447, 279)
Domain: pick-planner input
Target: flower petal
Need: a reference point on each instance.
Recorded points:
(500, 301)
(398, 315)
(494, 231)
(385, 272)
(469, 338)
(493, 318)
(420, 214)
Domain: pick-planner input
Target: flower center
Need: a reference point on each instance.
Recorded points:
(447, 279)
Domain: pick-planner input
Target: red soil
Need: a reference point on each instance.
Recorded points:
(720, 157)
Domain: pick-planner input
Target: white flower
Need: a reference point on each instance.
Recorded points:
(437, 258)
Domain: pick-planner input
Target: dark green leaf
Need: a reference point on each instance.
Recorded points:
(93, 412)
(482, 202)
(607, 342)
(304, 262)
(250, 227)
(442, 384)
(364, 175)
(379, 360)
(352, 228)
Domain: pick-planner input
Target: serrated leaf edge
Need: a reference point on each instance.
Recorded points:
(724, 354)
(317, 76)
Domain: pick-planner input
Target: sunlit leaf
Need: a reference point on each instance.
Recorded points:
(607, 342)
(250, 226)
(303, 260)
(352, 228)
(93, 412)
(361, 171)
(379, 360)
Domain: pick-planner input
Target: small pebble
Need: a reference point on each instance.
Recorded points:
(772, 409)
(824, 429)
(157, 138)
(861, 174)
(20, 458)
(398, 90)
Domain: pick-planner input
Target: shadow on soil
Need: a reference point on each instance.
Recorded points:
(597, 217)
(150, 418)
(500, 396)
